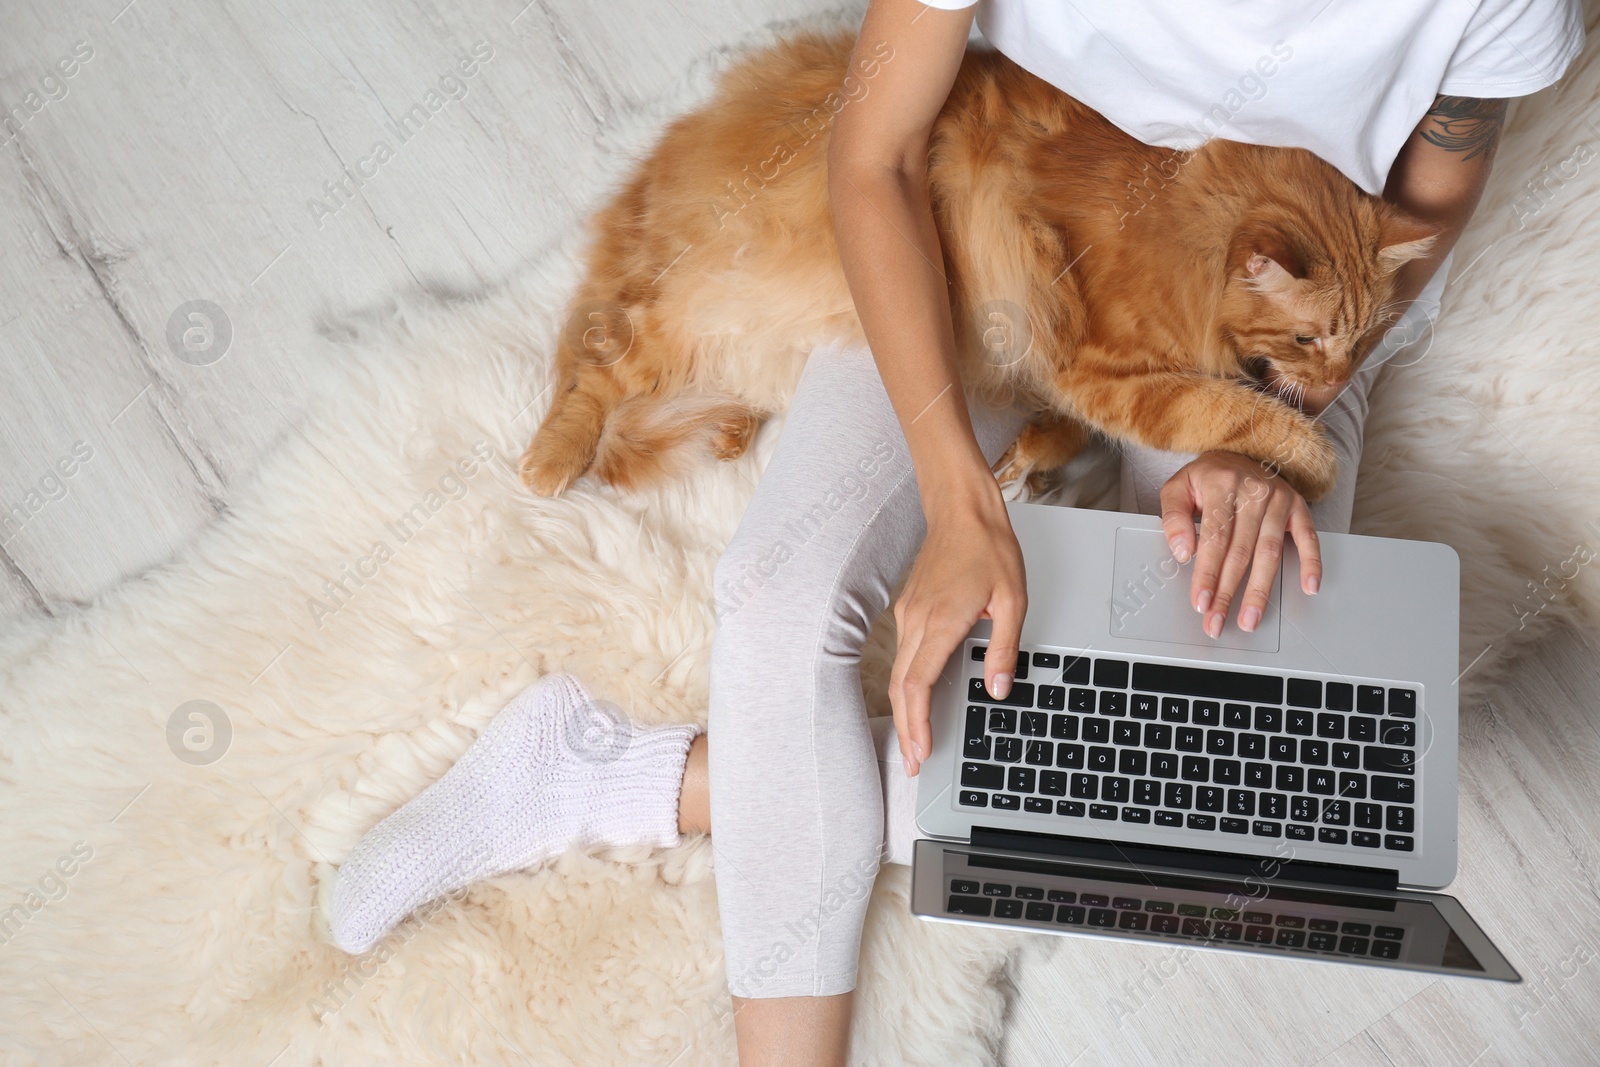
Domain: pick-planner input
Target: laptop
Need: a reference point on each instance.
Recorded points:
(1287, 792)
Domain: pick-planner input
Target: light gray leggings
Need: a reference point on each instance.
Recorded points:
(797, 799)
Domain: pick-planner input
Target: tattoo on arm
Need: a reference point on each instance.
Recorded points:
(1465, 124)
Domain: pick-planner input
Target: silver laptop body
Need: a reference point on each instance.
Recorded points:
(1317, 754)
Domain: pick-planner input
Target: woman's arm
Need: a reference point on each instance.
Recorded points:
(1438, 178)
(970, 565)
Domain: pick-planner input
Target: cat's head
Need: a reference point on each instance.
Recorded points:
(1301, 298)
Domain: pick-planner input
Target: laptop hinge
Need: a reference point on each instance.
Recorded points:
(1259, 867)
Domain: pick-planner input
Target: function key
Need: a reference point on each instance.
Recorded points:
(996, 889)
(1124, 903)
(1135, 815)
(1111, 673)
(1389, 933)
(1076, 671)
(1202, 822)
(1235, 826)
(1341, 696)
(1093, 900)
(1061, 896)
(962, 885)
(1258, 917)
(963, 905)
(1047, 661)
(1326, 926)
(1358, 929)
(1305, 693)
(1399, 843)
(1192, 910)
(1369, 699)
(1005, 802)
(1169, 818)
(1266, 829)
(971, 798)
(1037, 805)
(1364, 839)
(1293, 922)
(1102, 811)
(1158, 907)
(1403, 702)
(1029, 892)
(1331, 835)
(1071, 808)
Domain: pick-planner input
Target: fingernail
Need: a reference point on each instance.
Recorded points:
(1214, 625)
(1313, 583)
(1204, 602)
(1248, 618)
(1180, 551)
(916, 750)
(909, 772)
(1001, 687)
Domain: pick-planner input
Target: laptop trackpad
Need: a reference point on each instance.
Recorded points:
(1150, 598)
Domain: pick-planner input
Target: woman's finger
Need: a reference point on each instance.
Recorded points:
(1235, 562)
(1216, 530)
(1264, 567)
(1304, 532)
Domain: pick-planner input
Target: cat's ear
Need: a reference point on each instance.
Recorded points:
(1266, 275)
(1271, 264)
(1404, 239)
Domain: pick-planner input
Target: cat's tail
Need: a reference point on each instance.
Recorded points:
(632, 441)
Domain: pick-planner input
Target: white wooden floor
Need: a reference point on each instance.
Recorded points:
(171, 235)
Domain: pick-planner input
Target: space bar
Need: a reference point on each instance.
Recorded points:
(1201, 682)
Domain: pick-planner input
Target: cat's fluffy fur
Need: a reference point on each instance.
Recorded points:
(1104, 282)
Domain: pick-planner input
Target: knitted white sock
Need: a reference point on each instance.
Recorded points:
(899, 794)
(553, 769)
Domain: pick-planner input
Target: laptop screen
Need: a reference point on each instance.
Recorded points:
(1410, 931)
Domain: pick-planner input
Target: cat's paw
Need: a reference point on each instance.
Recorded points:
(1020, 478)
(546, 471)
(1307, 462)
(730, 437)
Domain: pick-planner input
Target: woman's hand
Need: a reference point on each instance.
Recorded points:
(1244, 510)
(969, 568)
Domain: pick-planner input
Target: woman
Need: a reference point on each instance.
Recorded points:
(1406, 97)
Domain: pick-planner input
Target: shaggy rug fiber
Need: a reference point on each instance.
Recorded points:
(186, 762)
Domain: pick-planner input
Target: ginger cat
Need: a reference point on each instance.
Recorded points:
(1104, 283)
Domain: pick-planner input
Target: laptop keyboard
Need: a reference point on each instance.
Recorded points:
(1254, 925)
(1228, 752)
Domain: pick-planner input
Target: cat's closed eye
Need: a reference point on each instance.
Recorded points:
(1302, 339)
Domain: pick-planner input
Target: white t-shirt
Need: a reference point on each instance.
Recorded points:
(1347, 79)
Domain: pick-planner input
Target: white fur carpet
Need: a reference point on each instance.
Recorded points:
(190, 930)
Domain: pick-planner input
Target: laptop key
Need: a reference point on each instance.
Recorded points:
(1148, 793)
(1227, 932)
(1196, 769)
(1258, 918)
(1201, 822)
(961, 904)
(1396, 732)
(1356, 929)
(1022, 666)
(1164, 764)
(1207, 713)
(1006, 802)
(1143, 706)
(1298, 833)
(1283, 750)
(1262, 828)
(1236, 716)
(1369, 699)
(1320, 781)
(1394, 790)
(1047, 661)
(1352, 786)
(1219, 743)
(1193, 910)
(1169, 818)
(1363, 729)
(1241, 802)
(1290, 938)
(1103, 917)
(1038, 805)
(1235, 826)
(1403, 702)
(1075, 670)
(1132, 762)
(964, 886)
(1314, 753)
(1190, 739)
(1291, 779)
(1178, 795)
(1225, 771)
(1071, 808)
(1354, 946)
(1258, 775)
(1340, 696)
(1030, 892)
(1069, 756)
(1053, 783)
(1052, 697)
(1040, 913)
(1330, 836)
(1112, 674)
(1008, 749)
(1008, 909)
(1326, 926)
(1369, 816)
(1097, 730)
(1330, 726)
(1064, 727)
(1322, 942)
(1102, 759)
(1208, 798)
(1303, 809)
(1114, 789)
(1041, 753)
(983, 776)
(1299, 722)
(1070, 915)
(1305, 693)
(1002, 721)
(1165, 924)
(1034, 724)
(1347, 755)
(1085, 786)
(1157, 735)
(1021, 695)
(1259, 935)
(1269, 720)
(1385, 950)
(1094, 900)
(1400, 819)
(1253, 746)
(1399, 843)
(971, 798)
(1274, 806)
(1126, 733)
(1391, 760)
(1389, 933)
(1081, 700)
(1113, 703)
(1174, 709)
(1293, 922)
(1364, 839)
(1061, 896)
(996, 889)
(1136, 815)
(1133, 920)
